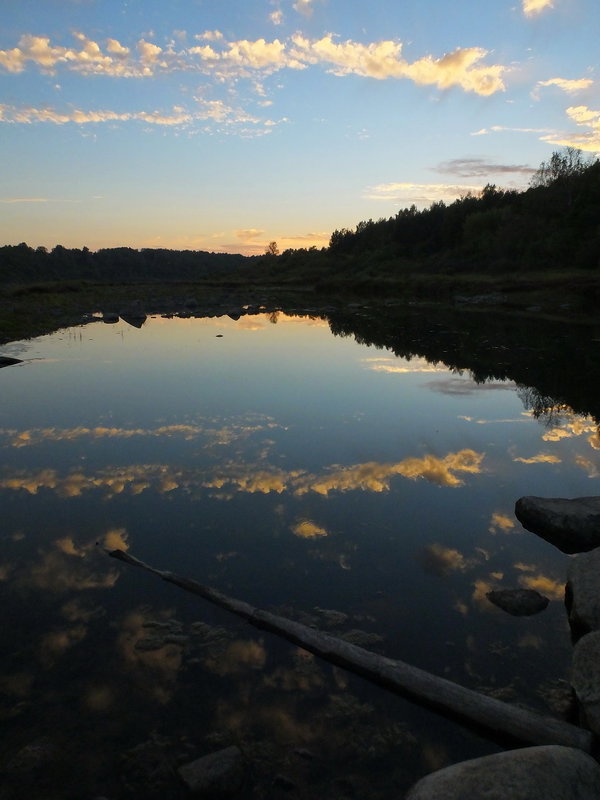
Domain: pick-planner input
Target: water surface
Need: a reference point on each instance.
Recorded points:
(300, 471)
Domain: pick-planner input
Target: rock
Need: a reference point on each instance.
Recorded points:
(33, 757)
(109, 317)
(7, 361)
(218, 774)
(585, 679)
(361, 638)
(582, 594)
(518, 602)
(551, 772)
(571, 525)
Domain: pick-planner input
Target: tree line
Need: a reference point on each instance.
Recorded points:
(23, 264)
(553, 223)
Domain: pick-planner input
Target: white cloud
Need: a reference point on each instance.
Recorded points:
(419, 193)
(533, 7)
(215, 111)
(303, 7)
(569, 86)
(276, 17)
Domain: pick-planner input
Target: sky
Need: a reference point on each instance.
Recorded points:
(222, 125)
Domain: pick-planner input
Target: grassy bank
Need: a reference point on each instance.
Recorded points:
(38, 308)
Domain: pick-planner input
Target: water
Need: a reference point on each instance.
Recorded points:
(297, 470)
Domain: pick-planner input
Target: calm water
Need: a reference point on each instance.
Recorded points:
(297, 470)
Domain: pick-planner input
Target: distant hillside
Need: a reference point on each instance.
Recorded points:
(23, 264)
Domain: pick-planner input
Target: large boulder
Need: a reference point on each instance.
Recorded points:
(219, 774)
(551, 772)
(585, 679)
(572, 525)
(582, 594)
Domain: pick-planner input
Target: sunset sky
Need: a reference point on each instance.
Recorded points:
(224, 124)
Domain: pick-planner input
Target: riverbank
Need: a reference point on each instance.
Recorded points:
(35, 309)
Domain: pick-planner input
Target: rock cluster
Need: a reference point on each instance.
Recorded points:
(552, 771)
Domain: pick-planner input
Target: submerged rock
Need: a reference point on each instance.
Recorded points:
(518, 602)
(572, 525)
(7, 361)
(585, 679)
(582, 594)
(219, 774)
(551, 772)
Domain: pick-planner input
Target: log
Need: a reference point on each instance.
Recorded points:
(396, 676)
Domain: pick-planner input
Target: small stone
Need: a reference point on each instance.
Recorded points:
(218, 774)
(551, 772)
(518, 602)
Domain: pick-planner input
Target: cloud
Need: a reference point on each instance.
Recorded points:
(308, 530)
(541, 458)
(276, 17)
(569, 86)
(23, 199)
(404, 192)
(215, 111)
(572, 426)
(248, 234)
(303, 7)
(550, 587)
(244, 58)
(383, 60)
(135, 479)
(533, 7)
(440, 560)
(464, 386)
(504, 129)
(584, 117)
(501, 522)
(402, 366)
(480, 168)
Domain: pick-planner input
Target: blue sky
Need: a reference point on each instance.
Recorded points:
(225, 124)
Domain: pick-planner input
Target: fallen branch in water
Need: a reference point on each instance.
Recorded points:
(398, 677)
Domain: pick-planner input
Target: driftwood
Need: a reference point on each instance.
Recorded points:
(396, 676)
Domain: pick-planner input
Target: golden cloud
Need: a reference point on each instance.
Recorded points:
(589, 140)
(219, 435)
(116, 539)
(308, 530)
(533, 7)
(587, 465)
(545, 585)
(244, 58)
(441, 560)
(501, 522)
(572, 426)
(541, 458)
(370, 476)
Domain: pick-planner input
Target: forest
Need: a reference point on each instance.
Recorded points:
(553, 225)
